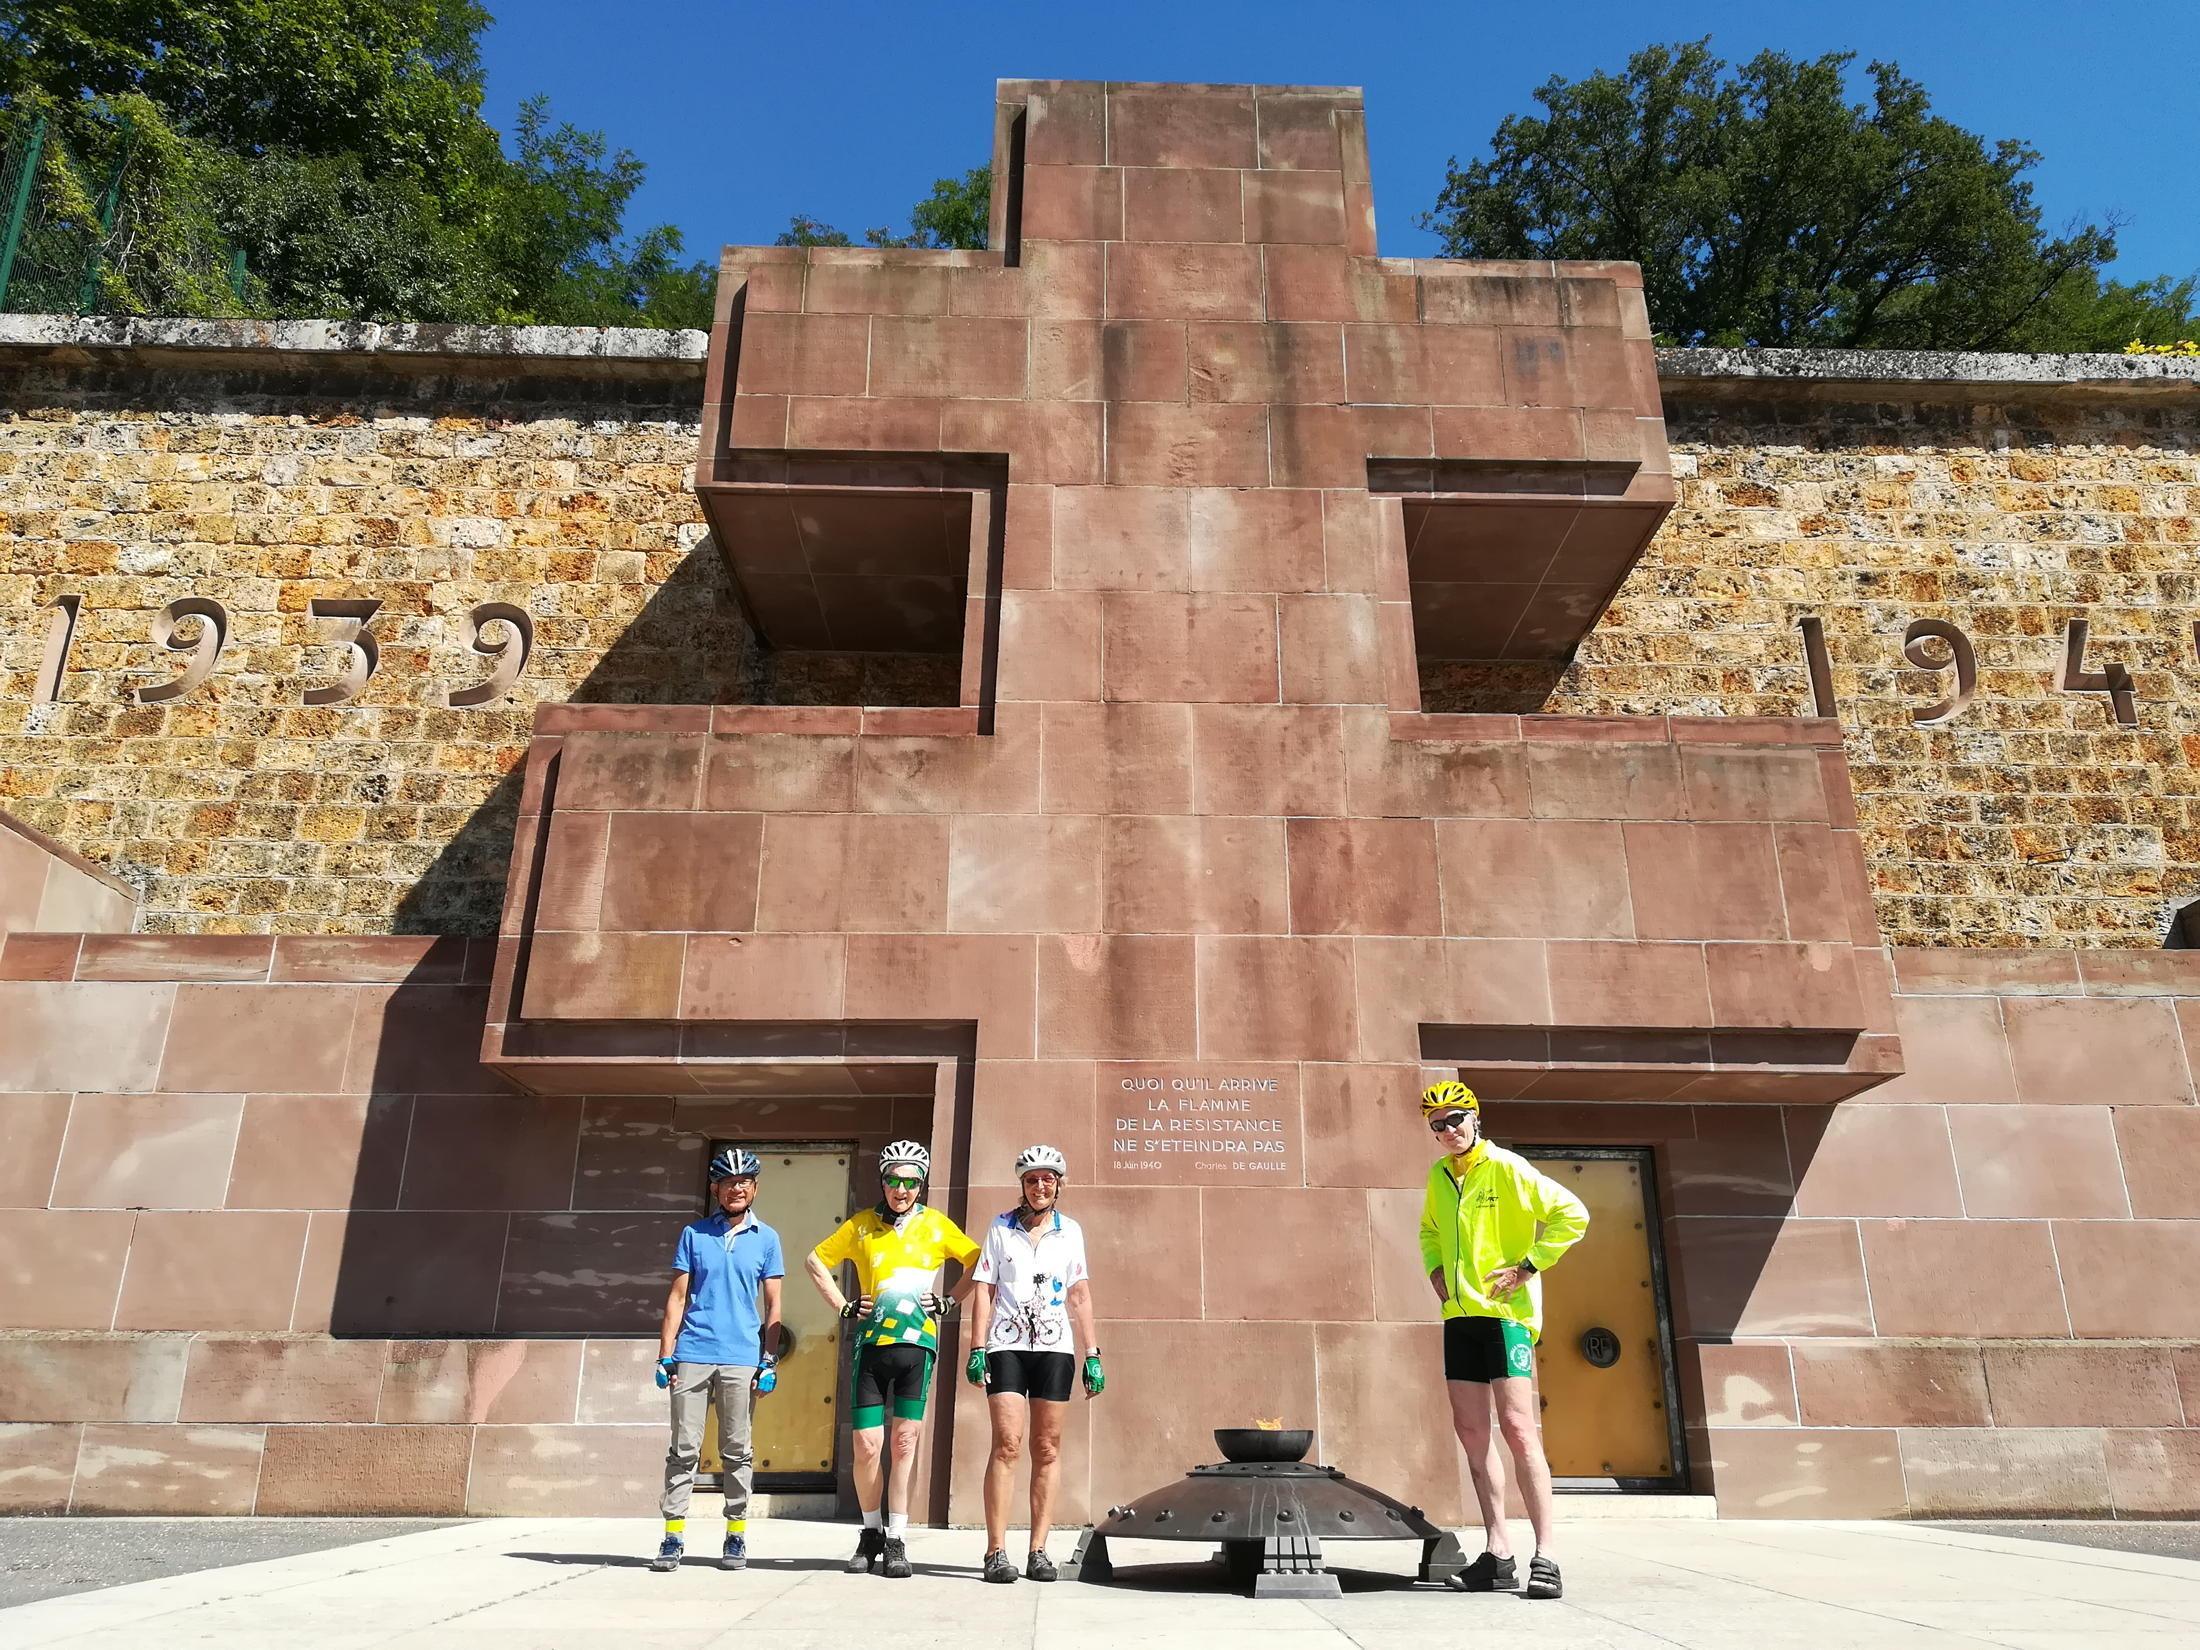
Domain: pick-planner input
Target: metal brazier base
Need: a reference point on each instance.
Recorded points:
(1269, 1520)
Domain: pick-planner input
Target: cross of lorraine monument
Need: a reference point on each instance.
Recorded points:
(1194, 483)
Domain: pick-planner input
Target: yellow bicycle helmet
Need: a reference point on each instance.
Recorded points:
(1449, 1096)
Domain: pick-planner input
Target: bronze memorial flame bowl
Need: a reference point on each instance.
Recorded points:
(1263, 1443)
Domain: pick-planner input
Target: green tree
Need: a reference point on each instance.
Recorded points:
(557, 228)
(953, 216)
(340, 145)
(802, 231)
(1765, 208)
(2091, 313)
(83, 213)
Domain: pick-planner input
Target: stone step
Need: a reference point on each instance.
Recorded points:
(814, 1504)
(1576, 1506)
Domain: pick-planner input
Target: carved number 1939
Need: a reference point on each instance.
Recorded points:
(199, 627)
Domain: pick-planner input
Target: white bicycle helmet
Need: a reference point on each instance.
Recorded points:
(905, 1154)
(1041, 1157)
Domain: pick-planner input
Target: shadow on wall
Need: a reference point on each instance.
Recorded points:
(688, 645)
(476, 1211)
(691, 644)
(1490, 687)
(514, 1250)
(1738, 1266)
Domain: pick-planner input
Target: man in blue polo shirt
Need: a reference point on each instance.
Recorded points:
(720, 1336)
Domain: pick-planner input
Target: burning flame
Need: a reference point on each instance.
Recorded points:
(1271, 1425)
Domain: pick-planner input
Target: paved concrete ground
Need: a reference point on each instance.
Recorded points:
(535, 1584)
(46, 1557)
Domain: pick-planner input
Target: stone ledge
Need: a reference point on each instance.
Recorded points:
(1481, 729)
(1947, 374)
(643, 352)
(960, 721)
(1940, 972)
(410, 960)
(613, 352)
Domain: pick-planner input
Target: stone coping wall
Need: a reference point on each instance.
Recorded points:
(145, 341)
(640, 351)
(436, 469)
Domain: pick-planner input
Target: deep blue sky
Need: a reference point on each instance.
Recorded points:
(749, 112)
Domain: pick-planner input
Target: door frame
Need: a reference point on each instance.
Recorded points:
(1645, 1158)
(792, 1483)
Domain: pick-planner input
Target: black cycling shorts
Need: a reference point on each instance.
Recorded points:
(1046, 1376)
(1487, 1349)
(896, 1375)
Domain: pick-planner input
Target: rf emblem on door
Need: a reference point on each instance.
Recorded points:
(1600, 1347)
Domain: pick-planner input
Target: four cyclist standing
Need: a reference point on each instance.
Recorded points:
(1491, 1224)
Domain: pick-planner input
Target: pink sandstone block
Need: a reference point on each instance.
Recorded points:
(56, 1035)
(34, 1125)
(170, 1471)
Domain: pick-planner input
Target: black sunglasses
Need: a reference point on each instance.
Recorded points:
(1445, 1121)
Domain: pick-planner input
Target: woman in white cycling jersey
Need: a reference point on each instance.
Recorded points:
(1031, 1293)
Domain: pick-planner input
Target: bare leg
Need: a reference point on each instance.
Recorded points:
(902, 1468)
(1521, 1426)
(1471, 1420)
(1000, 1471)
(1046, 1467)
(870, 1483)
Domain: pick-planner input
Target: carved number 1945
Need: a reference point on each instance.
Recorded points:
(1937, 645)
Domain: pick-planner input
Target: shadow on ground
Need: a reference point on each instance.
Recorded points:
(700, 1559)
(49, 1557)
(2159, 1540)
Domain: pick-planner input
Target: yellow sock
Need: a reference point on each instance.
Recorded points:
(737, 1526)
(676, 1526)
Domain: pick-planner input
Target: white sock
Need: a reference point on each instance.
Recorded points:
(870, 1519)
(897, 1526)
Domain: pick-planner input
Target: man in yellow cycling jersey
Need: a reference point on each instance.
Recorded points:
(898, 1249)
(1484, 1252)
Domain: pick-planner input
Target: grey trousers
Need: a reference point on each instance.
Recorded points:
(692, 1386)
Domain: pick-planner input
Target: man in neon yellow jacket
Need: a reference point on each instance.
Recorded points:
(1490, 1224)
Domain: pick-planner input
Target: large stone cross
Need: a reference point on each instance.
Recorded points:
(1195, 485)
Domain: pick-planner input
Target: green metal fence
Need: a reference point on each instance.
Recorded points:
(18, 181)
(69, 244)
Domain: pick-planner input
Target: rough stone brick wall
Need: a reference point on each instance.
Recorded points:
(2031, 818)
(239, 809)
